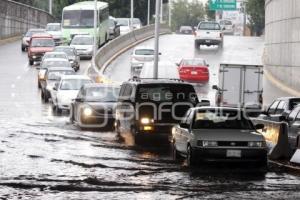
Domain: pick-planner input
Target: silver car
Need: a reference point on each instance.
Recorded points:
(210, 134)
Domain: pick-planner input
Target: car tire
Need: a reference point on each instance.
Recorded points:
(31, 62)
(197, 45)
(190, 157)
(39, 85)
(23, 49)
(58, 110)
(136, 136)
(72, 119)
(175, 154)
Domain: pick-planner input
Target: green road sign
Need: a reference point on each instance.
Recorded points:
(222, 4)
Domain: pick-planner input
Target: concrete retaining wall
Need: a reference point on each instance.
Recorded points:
(17, 18)
(282, 41)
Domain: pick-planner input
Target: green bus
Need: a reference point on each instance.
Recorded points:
(78, 19)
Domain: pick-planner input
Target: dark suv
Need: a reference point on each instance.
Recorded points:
(149, 108)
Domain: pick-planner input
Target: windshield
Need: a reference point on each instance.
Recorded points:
(78, 18)
(42, 42)
(73, 84)
(82, 41)
(167, 93)
(123, 22)
(103, 94)
(193, 62)
(55, 75)
(111, 23)
(30, 33)
(49, 64)
(144, 52)
(55, 56)
(220, 119)
(68, 51)
(136, 21)
(294, 103)
(53, 28)
(209, 26)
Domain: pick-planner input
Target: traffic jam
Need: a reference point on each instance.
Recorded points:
(199, 129)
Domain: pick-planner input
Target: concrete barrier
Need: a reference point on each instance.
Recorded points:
(112, 49)
(296, 157)
(17, 18)
(276, 135)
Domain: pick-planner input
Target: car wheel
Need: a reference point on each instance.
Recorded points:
(175, 153)
(136, 136)
(190, 157)
(46, 97)
(39, 85)
(197, 46)
(58, 110)
(23, 49)
(31, 62)
(72, 119)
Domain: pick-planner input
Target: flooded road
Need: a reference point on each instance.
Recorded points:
(43, 156)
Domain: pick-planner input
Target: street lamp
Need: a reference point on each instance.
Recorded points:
(50, 7)
(131, 16)
(148, 17)
(161, 11)
(95, 28)
(156, 46)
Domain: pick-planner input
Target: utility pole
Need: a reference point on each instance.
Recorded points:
(245, 19)
(156, 47)
(148, 17)
(161, 11)
(131, 15)
(170, 13)
(50, 7)
(95, 28)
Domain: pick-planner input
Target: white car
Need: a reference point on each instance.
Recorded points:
(137, 24)
(124, 24)
(166, 70)
(227, 27)
(66, 90)
(217, 134)
(84, 45)
(139, 56)
(54, 29)
(208, 33)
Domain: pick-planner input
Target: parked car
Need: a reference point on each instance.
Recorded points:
(166, 70)
(208, 33)
(114, 28)
(193, 70)
(52, 76)
(186, 30)
(124, 24)
(54, 54)
(67, 90)
(49, 63)
(281, 107)
(74, 59)
(139, 56)
(94, 106)
(137, 24)
(54, 29)
(39, 44)
(211, 134)
(26, 37)
(83, 45)
(227, 27)
(148, 109)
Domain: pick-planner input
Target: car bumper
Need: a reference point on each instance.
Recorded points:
(97, 122)
(156, 130)
(85, 54)
(209, 41)
(36, 57)
(197, 79)
(221, 155)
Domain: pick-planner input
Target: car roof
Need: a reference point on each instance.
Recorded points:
(61, 69)
(42, 35)
(55, 59)
(66, 77)
(83, 35)
(55, 52)
(287, 98)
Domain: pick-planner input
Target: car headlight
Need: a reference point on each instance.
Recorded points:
(34, 57)
(207, 143)
(146, 120)
(87, 112)
(256, 144)
(71, 61)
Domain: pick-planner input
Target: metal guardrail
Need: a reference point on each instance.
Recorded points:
(109, 51)
(276, 135)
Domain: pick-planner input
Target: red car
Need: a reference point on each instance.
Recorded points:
(39, 44)
(193, 70)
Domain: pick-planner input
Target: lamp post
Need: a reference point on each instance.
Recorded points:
(95, 28)
(50, 7)
(156, 46)
(148, 17)
(131, 15)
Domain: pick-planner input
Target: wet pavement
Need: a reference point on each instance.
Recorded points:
(43, 156)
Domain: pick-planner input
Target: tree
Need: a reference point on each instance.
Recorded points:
(210, 14)
(256, 11)
(187, 13)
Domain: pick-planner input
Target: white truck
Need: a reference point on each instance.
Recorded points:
(208, 33)
(240, 86)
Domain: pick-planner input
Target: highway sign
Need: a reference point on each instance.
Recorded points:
(222, 4)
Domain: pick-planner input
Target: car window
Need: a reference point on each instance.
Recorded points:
(273, 107)
(82, 41)
(294, 103)
(293, 114)
(185, 118)
(144, 52)
(56, 75)
(123, 22)
(42, 42)
(298, 117)
(221, 119)
(73, 84)
(209, 26)
(280, 107)
(103, 94)
(68, 51)
(193, 62)
(53, 27)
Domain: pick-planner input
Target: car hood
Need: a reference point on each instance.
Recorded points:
(67, 95)
(51, 84)
(100, 106)
(41, 49)
(227, 135)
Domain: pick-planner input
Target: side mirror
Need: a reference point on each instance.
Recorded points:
(159, 53)
(259, 126)
(79, 99)
(184, 125)
(215, 87)
(265, 113)
(177, 64)
(283, 118)
(55, 88)
(207, 65)
(223, 29)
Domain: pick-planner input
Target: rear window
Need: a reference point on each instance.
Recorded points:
(42, 42)
(209, 26)
(294, 103)
(68, 51)
(102, 94)
(55, 75)
(144, 52)
(225, 23)
(166, 93)
(193, 62)
(49, 64)
(221, 119)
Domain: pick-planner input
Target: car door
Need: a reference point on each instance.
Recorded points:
(76, 104)
(272, 111)
(179, 133)
(186, 133)
(294, 126)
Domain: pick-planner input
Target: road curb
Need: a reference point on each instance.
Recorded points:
(9, 40)
(279, 84)
(288, 167)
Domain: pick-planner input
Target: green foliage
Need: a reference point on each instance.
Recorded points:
(256, 10)
(185, 12)
(211, 14)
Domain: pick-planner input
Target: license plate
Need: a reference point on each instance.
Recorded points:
(233, 153)
(194, 72)
(208, 41)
